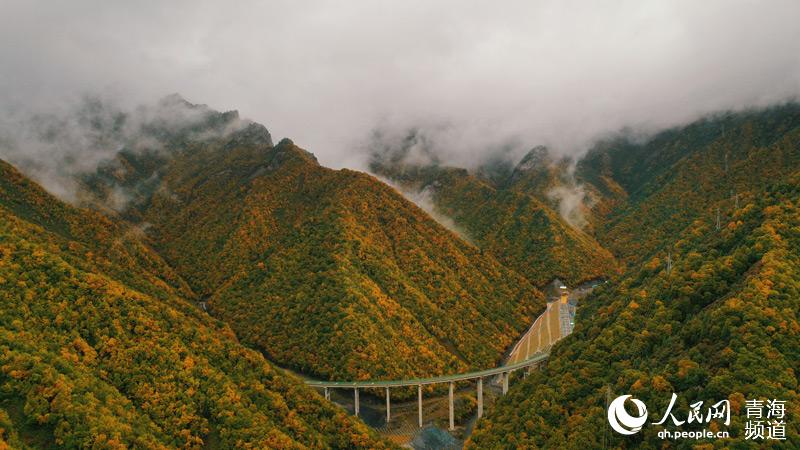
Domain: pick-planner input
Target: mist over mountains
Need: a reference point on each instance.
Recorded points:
(57, 147)
(63, 148)
(475, 79)
(193, 231)
(384, 192)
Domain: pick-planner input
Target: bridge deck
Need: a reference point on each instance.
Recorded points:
(534, 358)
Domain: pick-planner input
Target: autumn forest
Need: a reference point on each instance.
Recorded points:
(180, 296)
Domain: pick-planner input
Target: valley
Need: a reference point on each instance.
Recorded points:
(162, 320)
(388, 225)
(437, 421)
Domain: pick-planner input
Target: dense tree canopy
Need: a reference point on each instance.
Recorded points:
(721, 324)
(99, 349)
(335, 274)
(331, 273)
(510, 216)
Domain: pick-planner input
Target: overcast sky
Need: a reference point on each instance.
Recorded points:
(474, 75)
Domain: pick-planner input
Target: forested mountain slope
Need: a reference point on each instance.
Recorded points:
(628, 196)
(509, 217)
(650, 192)
(109, 246)
(722, 324)
(99, 348)
(329, 272)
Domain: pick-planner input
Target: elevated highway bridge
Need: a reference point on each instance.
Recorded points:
(532, 349)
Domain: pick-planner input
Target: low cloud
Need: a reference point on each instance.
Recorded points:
(572, 202)
(57, 145)
(473, 77)
(424, 198)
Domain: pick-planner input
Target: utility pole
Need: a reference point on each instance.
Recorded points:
(669, 262)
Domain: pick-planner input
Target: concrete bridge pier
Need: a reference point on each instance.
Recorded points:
(480, 397)
(388, 407)
(419, 403)
(452, 413)
(504, 372)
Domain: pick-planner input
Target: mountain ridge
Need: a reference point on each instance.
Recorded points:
(95, 351)
(289, 237)
(707, 226)
(520, 227)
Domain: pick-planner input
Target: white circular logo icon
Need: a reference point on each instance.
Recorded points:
(621, 421)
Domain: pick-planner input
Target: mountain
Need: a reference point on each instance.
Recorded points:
(508, 213)
(100, 347)
(649, 192)
(329, 272)
(335, 274)
(720, 322)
